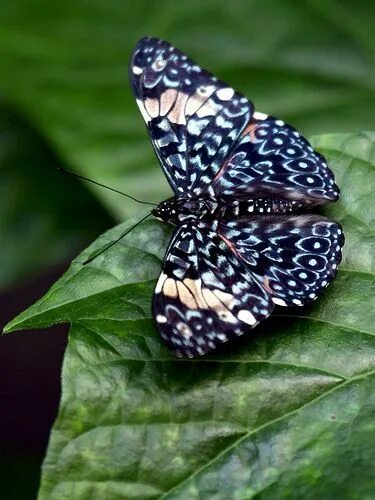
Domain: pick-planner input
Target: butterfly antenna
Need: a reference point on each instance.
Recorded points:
(90, 259)
(68, 172)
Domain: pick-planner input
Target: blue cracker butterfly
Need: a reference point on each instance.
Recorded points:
(241, 180)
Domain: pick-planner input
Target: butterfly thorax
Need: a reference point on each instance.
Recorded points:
(179, 209)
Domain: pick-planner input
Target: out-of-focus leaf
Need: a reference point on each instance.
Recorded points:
(284, 413)
(65, 64)
(44, 217)
(353, 159)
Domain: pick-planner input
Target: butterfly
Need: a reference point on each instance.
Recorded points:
(243, 182)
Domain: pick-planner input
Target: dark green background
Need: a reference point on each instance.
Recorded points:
(65, 100)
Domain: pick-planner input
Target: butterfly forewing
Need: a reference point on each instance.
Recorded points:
(193, 118)
(205, 294)
(273, 159)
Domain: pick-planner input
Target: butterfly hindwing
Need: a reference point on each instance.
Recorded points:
(293, 257)
(205, 295)
(221, 279)
(193, 118)
(272, 159)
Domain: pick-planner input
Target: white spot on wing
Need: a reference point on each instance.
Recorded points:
(137, 70)
(260, 116)
(297, 302)
(246, 317)
(225, 94)
(222, 337)
(278, 302)
(143, 111)
(160, 283)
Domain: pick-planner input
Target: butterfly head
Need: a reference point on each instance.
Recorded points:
(167, 211)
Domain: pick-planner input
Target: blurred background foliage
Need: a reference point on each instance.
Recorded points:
(65, 100)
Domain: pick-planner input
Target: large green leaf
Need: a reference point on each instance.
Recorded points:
(65, 65)
(284, 413)
(39, 208)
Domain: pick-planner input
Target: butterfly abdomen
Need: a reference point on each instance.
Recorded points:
(175, 210)
(259, 206)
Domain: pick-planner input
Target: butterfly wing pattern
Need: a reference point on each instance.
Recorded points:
(293, 257)
(221, 276)
(272, 158)
(205, 294)
(193, 118)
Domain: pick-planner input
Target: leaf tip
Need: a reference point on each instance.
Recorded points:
(8, 328)
(14, 325)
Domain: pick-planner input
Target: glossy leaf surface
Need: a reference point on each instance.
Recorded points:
(284, 413)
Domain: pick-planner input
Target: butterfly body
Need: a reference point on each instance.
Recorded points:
(176, 210)
(242, 183)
